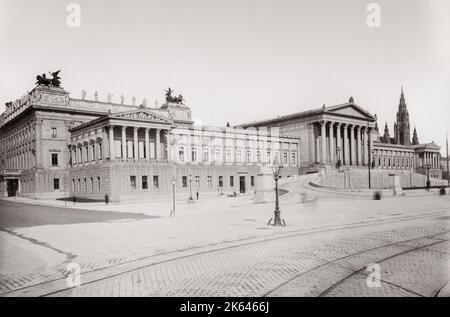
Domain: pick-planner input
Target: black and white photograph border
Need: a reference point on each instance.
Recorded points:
(211, 148)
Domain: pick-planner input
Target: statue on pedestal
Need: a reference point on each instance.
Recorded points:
(109, 97)
(122, 99)
(96, 96)
(49, 82)
(172, 99)
(83, 94)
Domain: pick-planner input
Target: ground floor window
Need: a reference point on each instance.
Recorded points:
(144, 182)
(220, 181)
(184, 181)
(98, 182)
(156, 181)
(197, 181)
(56, 183)
(133, 182)
(209, 181)
(252, 181)
(231, 181)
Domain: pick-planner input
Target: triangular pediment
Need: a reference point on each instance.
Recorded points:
(142, 115)
(350, 110)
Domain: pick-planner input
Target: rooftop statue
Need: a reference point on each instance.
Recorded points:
(172, 99)
(53, 82)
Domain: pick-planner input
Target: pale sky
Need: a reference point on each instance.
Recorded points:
(239, 60)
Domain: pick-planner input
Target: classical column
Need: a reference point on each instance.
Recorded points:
(124, 143)
(358, 145)
(111, 142)
(136, 144)
(332, 150)
(339, 141)
(147, 145)
(324, 142)
(169, 149)
(158, 145)
(346, 145)
(352, 144)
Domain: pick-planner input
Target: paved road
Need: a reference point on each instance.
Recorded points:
(15, 215)
(413, 255)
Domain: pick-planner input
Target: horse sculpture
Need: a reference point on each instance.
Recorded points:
(54, 81)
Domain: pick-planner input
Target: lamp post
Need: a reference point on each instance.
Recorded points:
(369, 159)
(277, 218)
(190, 188)
(338, 163)
(172, 213)
(427, 166)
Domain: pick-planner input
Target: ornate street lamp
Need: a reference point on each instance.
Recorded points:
(172, 212)
(338, 163)
(190, 188)
(276, 176)
(428, 166)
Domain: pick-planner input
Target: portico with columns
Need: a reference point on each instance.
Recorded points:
(342, 135)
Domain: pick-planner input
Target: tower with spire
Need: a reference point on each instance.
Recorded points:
(401, 126)
(386, 136)
(415, 139)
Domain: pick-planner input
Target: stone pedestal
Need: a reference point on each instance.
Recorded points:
(265, 187)
(396, 184)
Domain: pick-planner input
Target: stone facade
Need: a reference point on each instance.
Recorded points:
(53, 146)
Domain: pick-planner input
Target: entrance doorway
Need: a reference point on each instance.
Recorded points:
(242, 184)
(12, 187)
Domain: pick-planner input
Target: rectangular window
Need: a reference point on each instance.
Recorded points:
(249, 156)
(239, 156)
(268, 157)
(194, 154)
(130, 149)
(87, 153)
(73, 185)
(155, 181)
(285, 157)
(141, 149)
(252, 181)
(205, 155)
(220, 181)
(54, 133)
(91, 188)
(54, 159)
(209, 181)
(93, 152)
(85, 185)
(293, 159)
(231, 181)
(100, 151)
(228, 157)
(258, 156)
(98, 183)
(218, 158)
(197, 181)
(144, 182)
(181, 154)
(184, 181)
(56, 183)
(133, 182)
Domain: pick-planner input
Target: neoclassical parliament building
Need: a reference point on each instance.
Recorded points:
(55, 146)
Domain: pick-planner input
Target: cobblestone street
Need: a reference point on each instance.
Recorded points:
(228, 250)
(413, 255)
